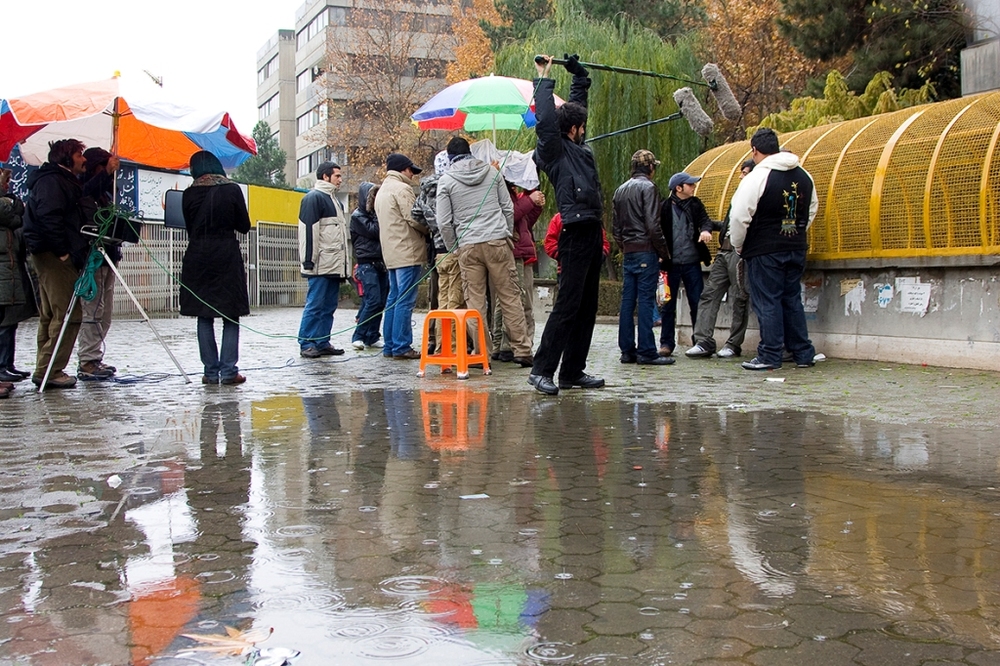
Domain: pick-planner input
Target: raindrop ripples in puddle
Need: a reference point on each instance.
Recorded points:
(551, 652)
(412, 586)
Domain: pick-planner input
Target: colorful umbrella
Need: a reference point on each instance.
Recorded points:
(490, 102)
(153, 133)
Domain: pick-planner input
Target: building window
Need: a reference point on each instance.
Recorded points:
(314, 28)
(308, 120)
(265, 72)
(267, 108)
(303, 80)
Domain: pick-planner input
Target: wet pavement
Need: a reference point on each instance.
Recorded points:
(692, 514)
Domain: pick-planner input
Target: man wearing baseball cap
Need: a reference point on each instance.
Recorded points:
(636, 228)
(404, 252)
(687, 228)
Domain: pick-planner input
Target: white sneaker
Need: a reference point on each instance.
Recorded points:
(697, 352)
(359, 345)
(819, 358)
(726, 352)
(378, 344)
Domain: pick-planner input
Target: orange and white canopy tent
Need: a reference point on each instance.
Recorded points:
(151, 132)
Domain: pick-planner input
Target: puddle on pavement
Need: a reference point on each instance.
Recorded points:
(482, 528)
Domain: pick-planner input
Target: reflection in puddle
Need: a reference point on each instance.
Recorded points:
(470, 527)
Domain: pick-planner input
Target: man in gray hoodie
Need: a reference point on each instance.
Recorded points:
(476, 215)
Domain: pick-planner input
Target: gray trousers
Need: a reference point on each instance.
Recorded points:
(96, 317)
(722, 280)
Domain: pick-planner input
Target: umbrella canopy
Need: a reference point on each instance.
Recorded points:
(155, 133)
(490, 102)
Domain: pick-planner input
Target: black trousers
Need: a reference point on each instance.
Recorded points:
(570, 327)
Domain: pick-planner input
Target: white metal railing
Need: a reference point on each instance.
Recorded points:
(151, 269)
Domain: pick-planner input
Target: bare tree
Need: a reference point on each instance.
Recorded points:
(382, 66)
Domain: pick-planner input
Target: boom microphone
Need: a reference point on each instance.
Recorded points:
(723, 94)
(692, 111)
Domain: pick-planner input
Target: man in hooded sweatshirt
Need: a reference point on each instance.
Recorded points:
(323, 234)
(475, 214)
(771, 212)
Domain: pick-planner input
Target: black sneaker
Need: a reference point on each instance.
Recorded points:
(757, 364)
(584, 381)
(654, 360)
(543, 384)
(628, 358)
(505, 356)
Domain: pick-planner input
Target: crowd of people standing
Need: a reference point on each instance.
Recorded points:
(474, 230)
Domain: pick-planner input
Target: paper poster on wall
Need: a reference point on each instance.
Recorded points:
(812, 288)
(914, 298)
(853, 297)
(884, 293)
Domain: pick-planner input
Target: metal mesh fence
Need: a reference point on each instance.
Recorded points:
(152, 269)
(918, 182)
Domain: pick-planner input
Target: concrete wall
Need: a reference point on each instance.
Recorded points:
(981, 68)
(940, 315)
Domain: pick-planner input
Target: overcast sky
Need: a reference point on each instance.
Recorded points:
(206, 50)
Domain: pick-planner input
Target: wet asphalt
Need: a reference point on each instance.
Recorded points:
(344, 511)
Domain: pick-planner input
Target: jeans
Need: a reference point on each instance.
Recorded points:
(570, 326)
(317, 315)
(8, 335)
(722, 280)
(640, 271)
(219, 366)
(397, 327)
(375, 291)
(690, 275)
(776, 297)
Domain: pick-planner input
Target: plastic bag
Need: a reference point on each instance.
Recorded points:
(662, 290)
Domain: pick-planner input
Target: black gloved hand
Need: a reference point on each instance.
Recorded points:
(573, 65)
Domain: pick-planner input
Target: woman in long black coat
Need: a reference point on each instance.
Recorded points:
(214, 279)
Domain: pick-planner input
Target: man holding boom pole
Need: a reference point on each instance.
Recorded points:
(570, 166)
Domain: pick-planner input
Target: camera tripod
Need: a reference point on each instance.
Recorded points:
(142, 311)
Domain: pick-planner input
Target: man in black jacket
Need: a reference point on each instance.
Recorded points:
(636, 228)
(570, 166)
(370, 270)
(687, 228)
(58, 252)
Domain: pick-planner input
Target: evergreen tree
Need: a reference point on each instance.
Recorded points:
(668, 18)
(915, 40)
(267, 167)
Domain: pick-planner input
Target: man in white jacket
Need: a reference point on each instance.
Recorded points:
(323, 238)
(771, 212)
(476, 215)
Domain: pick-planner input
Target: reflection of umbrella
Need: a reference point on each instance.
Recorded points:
(157, 615)
(153, 133)
(491, 102)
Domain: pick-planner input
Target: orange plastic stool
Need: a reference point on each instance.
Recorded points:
(453, 343)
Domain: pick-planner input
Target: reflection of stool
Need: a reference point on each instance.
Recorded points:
(453, 342)
(454, 420)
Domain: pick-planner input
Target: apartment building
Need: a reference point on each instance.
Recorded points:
(304, 96)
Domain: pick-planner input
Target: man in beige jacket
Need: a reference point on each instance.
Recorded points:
(404, 250)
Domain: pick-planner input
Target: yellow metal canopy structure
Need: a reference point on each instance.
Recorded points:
(921, 182)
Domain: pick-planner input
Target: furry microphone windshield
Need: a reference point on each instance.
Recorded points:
(723, 94)
(692, 111)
